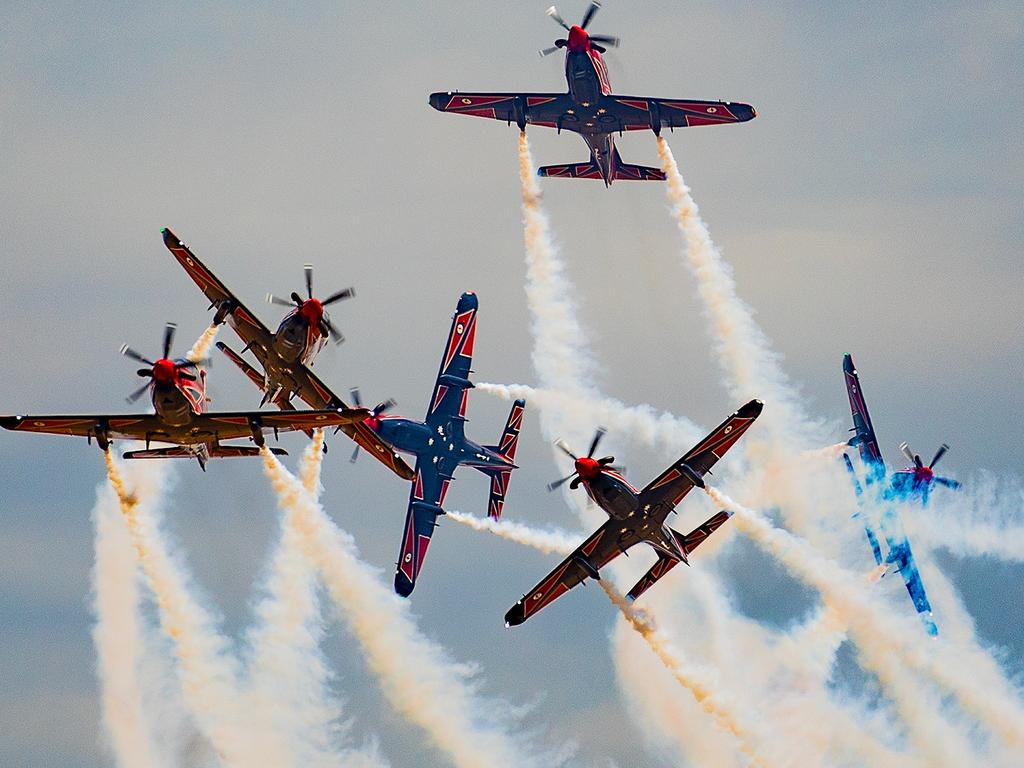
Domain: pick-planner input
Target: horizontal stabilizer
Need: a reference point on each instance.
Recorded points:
(507, 448)
(659, 569)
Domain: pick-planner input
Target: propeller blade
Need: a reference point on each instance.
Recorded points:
(560, 443)
(553, 13)
(384, 406)
(129, 352)
(589, 15)
(939, 454)
(272, 299)
(169, 331)
(308, 270)
(346, 293)
(356, 397)
(559, 483)
(186, 376)
(332, 331)
(597, 439)
(575, 483)
(952, 484)
(616, 468)
(145, 373)
(547, 51)
(354, 456)
(610, 40)
(907, 452)
(137, 393)
(606, 460)
(297, 299)
(203, 363)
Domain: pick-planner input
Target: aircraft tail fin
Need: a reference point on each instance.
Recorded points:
(506, 447)
(591, 170)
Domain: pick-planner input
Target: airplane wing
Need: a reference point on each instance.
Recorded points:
(248, 327)
(448, 402)
(902, 557)
(425, 499)
(587, 559)
(534, 108)
(669, 488)
(864, 437)
(610, 114)
(637, 113)
(202, 428)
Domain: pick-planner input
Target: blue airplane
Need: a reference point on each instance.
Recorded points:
(911, 484)
(440, 446)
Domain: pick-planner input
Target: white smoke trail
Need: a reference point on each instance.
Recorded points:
(416, 675)
(643, 422)
(707, 692)
(119, 637)
(548, 542)
(290, 679)
(885, 641)
(561, 360)
(201, 349)
(744, 352)
(207, 671)
(985, 518)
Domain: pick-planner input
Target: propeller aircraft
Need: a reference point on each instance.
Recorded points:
(591, 109)
(178, 390)
(440, 445)
(284, 356)
(635, 516)
(912, 483)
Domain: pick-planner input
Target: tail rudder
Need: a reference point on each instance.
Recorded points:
(506, 448)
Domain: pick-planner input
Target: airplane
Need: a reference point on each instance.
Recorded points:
(440, 446)
(591, 109)
(178, 390)
(912, 483)
(284, 356)
(635, 516)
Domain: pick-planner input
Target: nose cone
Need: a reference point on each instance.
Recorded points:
(579, 40)
(312, 311)
(467, 302)
(588, 469)
(164, 372)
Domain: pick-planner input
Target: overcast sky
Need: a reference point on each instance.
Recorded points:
(873, 207)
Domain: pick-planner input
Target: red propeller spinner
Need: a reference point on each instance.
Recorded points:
(165, 371)
(924, 474)
(587, 468)
(311, 310)
(579, 40)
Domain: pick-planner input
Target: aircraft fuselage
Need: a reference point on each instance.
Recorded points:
(443, 447)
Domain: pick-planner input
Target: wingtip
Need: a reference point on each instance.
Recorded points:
(751, 410)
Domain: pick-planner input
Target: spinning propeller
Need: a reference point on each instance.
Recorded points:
(373, 420)
(587, 467)
(164, 371)
(312, 310)
(579, 40)
(923, 473)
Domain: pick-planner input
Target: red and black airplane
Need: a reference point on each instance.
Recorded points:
(591, 109)
(284, 355)
(178, 389)
(635, 516)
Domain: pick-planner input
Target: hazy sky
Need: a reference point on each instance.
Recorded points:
(874, 207)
